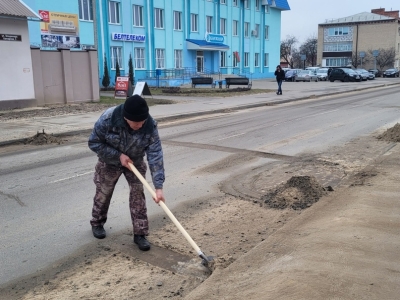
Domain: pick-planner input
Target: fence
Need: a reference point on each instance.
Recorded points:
(65, 76)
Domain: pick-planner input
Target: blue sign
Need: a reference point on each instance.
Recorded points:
(215, 38)
(128, 37)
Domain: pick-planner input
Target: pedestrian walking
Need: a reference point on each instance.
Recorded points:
(280, 76)
(125, 134)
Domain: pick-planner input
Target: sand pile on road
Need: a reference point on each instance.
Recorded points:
(391, 134)
(299, 192)
(42, 138)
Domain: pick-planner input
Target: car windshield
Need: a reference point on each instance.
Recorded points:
(350, 71)
(390, 70)
(304, 72)
(322, 71)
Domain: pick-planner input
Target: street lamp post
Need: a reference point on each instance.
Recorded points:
(375, 54)
(362, 55)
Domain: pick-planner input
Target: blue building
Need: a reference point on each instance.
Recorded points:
(177, 37)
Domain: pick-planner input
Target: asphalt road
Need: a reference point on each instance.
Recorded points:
(46, 193)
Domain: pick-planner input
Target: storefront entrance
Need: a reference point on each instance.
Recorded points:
(200, 62)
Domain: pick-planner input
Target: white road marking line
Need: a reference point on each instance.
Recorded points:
(77, 175)
(228, 137)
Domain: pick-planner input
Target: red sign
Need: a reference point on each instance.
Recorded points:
(45, 15)
(121, 87)
(237, 56)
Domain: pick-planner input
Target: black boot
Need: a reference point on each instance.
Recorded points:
(141, 241)
(99, 232)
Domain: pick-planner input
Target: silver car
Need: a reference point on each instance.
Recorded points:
(322, 74)
(363, 73)
(306, 75)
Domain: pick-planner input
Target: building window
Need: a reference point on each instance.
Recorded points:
(177, 20)
(267, 9)
(178, 59)
(256, 30)
(235, 25)
(209, 24)
(116, 55)
(139, 58)
(194, 22)
(113, 12)
(257, 4)
(223, 26)
(223, 1)
(246, 29)
(256, 59)
(338, 47)
(246, 59)
(158, 18)
(338, 62)
(85, 10)
(138, 15)
(223, 59)
(235, 2)
(266, 59)
(337, 31)
(266, 32)
(160, 59)
(246, 4)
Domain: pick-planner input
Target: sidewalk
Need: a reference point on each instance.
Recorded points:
(344, 247)
(17, 130)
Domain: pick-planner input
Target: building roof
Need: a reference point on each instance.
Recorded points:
(204, 45)
(17, 9)
(361, 17)
(279, 4)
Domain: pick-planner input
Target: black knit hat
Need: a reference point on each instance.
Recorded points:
(136, 109)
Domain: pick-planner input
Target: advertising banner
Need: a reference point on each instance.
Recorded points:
(121, 88)
(59, 30)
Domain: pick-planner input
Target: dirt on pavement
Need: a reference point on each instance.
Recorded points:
(243, 227)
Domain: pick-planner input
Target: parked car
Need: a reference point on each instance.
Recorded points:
(376, 72)
(306, 75)
(314, 69)
(322, 74)
(391, 73)
(344, 74)
(363, 73)
(290, 75)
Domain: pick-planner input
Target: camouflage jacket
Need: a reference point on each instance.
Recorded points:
(112, 136)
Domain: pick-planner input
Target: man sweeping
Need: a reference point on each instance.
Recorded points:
(125, 134)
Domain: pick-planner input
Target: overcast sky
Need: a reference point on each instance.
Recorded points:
(305, 15)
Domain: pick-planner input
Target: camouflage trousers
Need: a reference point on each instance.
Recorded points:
(105, 178)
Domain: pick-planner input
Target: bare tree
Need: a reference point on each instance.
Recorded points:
(386, 57)
(309, 48)
(296, 58)
(287, 46)
(356, 60)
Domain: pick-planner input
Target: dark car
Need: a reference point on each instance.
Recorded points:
(291, 74)
(344, 74)
(391, 73)
(376, 72)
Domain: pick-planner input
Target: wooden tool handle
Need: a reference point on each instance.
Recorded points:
(166, 209)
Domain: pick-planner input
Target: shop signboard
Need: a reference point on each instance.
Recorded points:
(59, 30)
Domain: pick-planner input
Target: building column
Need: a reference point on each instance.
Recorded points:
(67, 75)
(37, 76)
